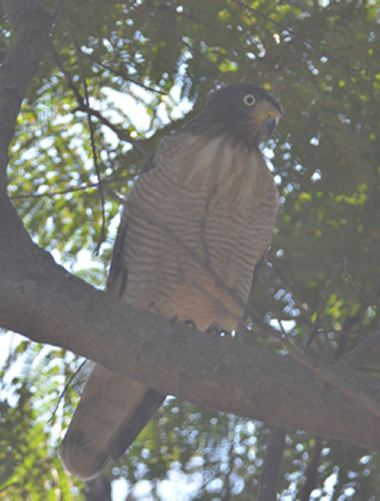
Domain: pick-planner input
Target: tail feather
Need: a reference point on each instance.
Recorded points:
(131, 427)
(111, 413)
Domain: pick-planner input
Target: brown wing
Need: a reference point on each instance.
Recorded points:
(117, 277)
(113, 409)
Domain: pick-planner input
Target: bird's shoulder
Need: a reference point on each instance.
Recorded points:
(168, 149)
(160, 160)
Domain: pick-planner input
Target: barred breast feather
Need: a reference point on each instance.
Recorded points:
(197, 225)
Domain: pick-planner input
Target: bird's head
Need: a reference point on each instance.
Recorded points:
(245, 112)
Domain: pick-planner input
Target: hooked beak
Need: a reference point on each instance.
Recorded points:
(269, 124)
(266, 117)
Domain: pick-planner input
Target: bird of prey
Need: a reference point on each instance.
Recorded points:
(195, 225)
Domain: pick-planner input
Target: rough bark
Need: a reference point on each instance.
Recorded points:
(45, 303)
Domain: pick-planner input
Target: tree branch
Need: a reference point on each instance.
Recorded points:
(271, 465)
(44, 302)
(311, 474)
(31, 26)
(357, 356)
(123, 135)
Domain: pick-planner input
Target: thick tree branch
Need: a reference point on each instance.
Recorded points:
(42, 301)
(31, 26)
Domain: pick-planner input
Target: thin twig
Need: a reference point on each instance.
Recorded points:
(58, 9)
(121, 134)
(356, 356)
(323, 302)
(79, 188)
(352, 282)
(271, 465)
(124, 77)
(311, 474)
(62, 394)
(92, 135)
(226, 490)
(330, 375)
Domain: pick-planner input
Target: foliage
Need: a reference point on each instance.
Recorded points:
(320, 58)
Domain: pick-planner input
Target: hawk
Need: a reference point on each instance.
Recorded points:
(195, 225)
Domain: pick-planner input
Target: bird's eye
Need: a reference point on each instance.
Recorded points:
(249, 99)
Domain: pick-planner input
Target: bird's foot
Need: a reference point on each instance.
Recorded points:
(190, 323)
(226, 334)
(215, 331)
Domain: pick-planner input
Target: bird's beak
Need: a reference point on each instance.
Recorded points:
(266, 117)
(269, 124)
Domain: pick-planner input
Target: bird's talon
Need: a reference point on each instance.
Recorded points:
(191, 323)
(225, 334)
(213, 330)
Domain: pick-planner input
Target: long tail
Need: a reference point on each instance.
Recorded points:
(111, 413)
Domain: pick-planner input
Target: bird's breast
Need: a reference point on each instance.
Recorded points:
(193, 235)
(231, 173)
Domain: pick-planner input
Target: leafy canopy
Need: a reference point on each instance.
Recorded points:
(321, 60)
